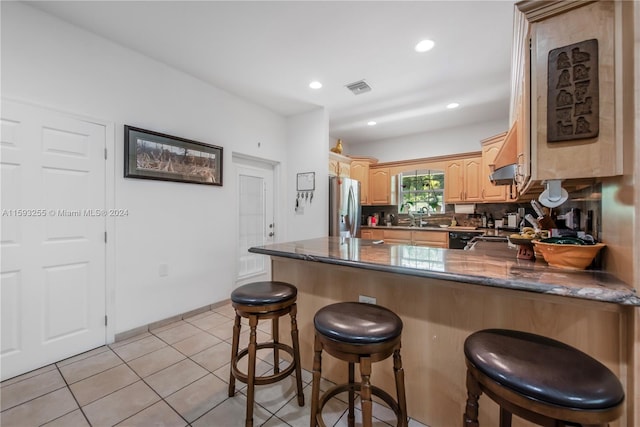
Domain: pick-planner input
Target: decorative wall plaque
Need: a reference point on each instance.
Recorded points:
(572, 92)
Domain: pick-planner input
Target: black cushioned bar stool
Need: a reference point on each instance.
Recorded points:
(358, 333)
(539, 379)
(262, 301)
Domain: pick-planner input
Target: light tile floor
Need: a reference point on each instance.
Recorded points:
(175, 375)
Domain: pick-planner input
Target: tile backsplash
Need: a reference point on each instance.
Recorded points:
(587, 201)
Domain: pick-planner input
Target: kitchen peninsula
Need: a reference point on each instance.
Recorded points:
(443, 296)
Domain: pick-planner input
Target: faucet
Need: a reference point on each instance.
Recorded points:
(409, 213)
(412, 217)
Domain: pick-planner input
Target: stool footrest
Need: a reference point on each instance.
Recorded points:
(265, 379)
(375, 391)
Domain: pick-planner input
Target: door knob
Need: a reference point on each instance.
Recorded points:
(271, 234)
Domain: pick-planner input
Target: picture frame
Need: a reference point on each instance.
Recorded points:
(158, 156)
(306, 181)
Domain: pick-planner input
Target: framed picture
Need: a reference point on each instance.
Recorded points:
(306, 181)
(154, 155)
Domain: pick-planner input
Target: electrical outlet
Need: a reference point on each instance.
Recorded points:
(367, 299)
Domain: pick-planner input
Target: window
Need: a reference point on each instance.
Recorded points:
(422, 191)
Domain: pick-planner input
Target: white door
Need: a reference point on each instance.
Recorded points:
(256, 224)
(52, 240)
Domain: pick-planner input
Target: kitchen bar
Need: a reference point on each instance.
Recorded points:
(443, 296)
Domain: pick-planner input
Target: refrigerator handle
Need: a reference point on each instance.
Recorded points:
(351, 212)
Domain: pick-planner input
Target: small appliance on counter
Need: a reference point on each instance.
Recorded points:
(571, 219)
(513, 220)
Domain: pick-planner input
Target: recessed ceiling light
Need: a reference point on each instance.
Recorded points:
(424, 46)
(372, 123)
(453, 105)
(315, 84)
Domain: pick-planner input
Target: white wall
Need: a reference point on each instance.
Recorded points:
(432, 144)
(308, 151)
(192, 228)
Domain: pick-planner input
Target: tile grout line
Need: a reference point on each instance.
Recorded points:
(153, 389)
(272, 415)
(72, 395)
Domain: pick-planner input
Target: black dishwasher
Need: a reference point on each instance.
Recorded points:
(459, 239)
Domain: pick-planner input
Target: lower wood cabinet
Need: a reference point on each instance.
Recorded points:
(371, 234)
(402, 237)
(434, 239)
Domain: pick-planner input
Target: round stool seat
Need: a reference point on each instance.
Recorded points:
(263, 293)
(543, 369)
(357, 323)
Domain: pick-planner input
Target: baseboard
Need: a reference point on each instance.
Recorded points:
(154, 325)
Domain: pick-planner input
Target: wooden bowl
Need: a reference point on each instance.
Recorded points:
(575, 257)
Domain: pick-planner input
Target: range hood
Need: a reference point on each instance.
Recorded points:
(505, 175)
(506, 159)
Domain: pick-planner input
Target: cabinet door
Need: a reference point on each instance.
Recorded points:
(360, 172)
(333, 167)
(366, 234)
(601, 155)
(472, 181)
(402, 237)
(339, 165)
(345, 169)
(379, 186)
(372, 233)
(434, 239)
(453, 181)
(490, 192)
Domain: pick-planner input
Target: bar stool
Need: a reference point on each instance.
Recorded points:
(262, 301)
(539, 379)
(358, 333)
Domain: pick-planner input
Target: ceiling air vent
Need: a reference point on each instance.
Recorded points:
(359, 87)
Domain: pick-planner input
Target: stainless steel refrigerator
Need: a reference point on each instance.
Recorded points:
(344, 207)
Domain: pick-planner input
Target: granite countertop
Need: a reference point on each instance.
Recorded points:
(472, 267)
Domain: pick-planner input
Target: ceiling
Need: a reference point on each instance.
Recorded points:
(269, 51)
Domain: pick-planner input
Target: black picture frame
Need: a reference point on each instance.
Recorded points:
(158, 156)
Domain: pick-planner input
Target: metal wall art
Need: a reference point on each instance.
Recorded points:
(572, 92)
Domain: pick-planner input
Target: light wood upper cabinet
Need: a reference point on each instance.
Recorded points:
(472, 180)
(548, 26)
(453, 181)
(462, 181)
(339, 165)
(380, 186)
(360, 172)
